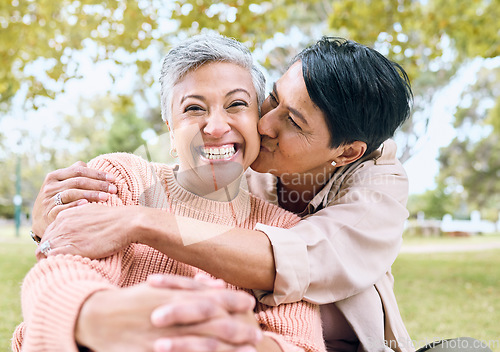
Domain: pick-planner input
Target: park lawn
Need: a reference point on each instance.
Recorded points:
(445, 295)
(439, 295)
(16, 258)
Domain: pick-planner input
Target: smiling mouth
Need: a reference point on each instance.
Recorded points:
(218, 153)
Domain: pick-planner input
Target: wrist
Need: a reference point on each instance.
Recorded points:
(87, 320)
(155, 228)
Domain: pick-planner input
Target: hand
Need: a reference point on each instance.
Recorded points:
(91, 230)
(233, 328)
(118, 320)
(187, 313)
(77, 184)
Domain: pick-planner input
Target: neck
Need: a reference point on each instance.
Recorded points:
(209, 186)
(295, 191)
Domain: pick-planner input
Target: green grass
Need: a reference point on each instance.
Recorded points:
(440, 295)
(450, 295)
(16, 258)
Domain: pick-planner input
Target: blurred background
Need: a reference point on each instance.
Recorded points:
(79, 78)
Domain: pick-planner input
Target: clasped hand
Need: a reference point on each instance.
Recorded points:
(169, 313)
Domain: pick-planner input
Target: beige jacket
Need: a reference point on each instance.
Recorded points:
(343, 248)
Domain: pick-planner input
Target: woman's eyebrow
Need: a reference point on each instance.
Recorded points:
(200, 97)
(238, 90)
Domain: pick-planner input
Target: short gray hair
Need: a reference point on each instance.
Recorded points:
(197, 51)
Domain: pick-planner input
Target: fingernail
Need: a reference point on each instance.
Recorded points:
(110, 177)
(103, 196)
(163, 345)
(82, 202)
(112, 188)
(159, 314)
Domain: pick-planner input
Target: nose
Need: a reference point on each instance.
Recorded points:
(217, 125)
(267, 125)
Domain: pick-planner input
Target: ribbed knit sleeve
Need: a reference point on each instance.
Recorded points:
(53, 293)
(294, 326)
(55, 289)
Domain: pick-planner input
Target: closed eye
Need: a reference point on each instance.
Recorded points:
(238, 103)
(274, 101)
(193, 108)
(294, 124)
(236, 106)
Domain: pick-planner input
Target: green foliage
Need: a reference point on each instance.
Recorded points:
(430, 39)
(472, 160)
(433, 203)
(56, 30)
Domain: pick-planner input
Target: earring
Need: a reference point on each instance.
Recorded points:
(334, 163)
(173, 153)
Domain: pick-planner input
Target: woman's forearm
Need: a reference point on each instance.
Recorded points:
(239, 256)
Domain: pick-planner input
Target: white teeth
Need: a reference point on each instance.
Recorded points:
(218, 153)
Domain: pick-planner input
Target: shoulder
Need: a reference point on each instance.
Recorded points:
(117, 160)
(380, 173)
(271, 214)
(381, 163)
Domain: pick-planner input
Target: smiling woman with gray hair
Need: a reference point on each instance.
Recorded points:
(71, 302)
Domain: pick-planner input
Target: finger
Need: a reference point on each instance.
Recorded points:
(185, 312)
(196, 344)
(72, 195)
(229, 329)
(175, 282)
(80, 169)
(207, 305)
(87, 184)
(210, 281)
(58, 208)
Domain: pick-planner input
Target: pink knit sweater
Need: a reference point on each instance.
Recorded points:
(55, 289)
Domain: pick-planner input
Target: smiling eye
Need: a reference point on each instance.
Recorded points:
(193, 108)
(236, 106)
(238, 103)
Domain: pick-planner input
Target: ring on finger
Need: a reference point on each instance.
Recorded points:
(58, 199)
(45, 248)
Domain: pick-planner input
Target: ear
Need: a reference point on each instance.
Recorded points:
(350, 153)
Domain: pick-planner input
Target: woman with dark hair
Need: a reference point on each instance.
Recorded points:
(325, 155)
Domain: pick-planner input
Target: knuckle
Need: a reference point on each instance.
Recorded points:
(212, 344)
(207, 309)
(78, 171)
(51, 176)
(229, 329)
(77, 182)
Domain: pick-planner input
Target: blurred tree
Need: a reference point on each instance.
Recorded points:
(471, 163)
(42, 45)
(57, 30)
(435, 203)
(430, 39)
(103, 125)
